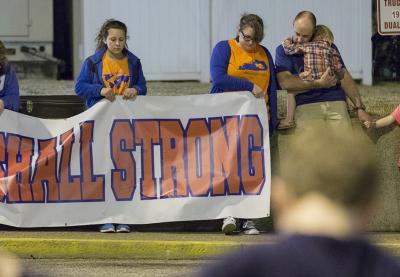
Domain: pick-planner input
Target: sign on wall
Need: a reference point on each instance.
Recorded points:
(388, 15)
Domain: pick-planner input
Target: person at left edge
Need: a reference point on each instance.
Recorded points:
(9, 88)
(113, 70)
(243, 64)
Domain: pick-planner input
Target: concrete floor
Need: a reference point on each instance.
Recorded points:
(107, 268)
(63, 87)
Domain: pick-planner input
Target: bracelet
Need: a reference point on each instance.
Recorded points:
(362, 107)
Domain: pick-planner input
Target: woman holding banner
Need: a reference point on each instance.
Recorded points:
(242, 64)
(9, 89)
(112, 71)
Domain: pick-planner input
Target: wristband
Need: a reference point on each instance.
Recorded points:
(362, 107)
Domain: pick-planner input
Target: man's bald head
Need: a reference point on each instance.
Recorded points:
(303, 26)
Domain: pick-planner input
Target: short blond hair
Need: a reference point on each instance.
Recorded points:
(322, 31)
(334, 164)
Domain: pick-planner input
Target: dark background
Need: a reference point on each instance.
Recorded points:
(62, 46)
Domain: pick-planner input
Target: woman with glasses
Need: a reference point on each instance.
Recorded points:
(242, 64)
(111, 72)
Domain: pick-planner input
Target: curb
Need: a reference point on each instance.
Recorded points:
(392, 247)
(64, 248)
(125, 249)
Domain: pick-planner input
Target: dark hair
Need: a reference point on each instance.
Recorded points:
(3, 59)
(308, 14)
(255, 22)
(109, 24)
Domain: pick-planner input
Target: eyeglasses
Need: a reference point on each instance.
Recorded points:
(247, 38)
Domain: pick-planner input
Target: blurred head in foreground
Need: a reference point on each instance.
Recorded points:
(327, 184)
(322, 200)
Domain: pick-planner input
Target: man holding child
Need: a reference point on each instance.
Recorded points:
(320, 102)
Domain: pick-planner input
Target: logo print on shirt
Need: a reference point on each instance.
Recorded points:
(116, 80)
(255, 66)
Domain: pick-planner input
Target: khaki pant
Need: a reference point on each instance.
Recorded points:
(323, 115)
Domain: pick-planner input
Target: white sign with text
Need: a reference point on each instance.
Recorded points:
(388, 17)
(154, 159)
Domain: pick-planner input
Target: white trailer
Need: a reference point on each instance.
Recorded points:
(26, 28)
(174, 38)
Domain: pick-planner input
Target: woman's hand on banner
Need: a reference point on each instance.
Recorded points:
(257, 91)
(108, 94)
(129, 93)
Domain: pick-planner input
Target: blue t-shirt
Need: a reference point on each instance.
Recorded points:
(307, 256)
(295, 65)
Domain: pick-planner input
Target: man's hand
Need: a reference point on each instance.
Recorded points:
(363, 116)
(108, 94)
(257, 91)
(327, 80)
(370, 124)
(129, 93)
(305, 75)
(1, 106)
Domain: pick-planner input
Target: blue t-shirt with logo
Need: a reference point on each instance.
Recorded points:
(295, 65)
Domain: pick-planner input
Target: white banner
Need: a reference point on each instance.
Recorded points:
(148, 160)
